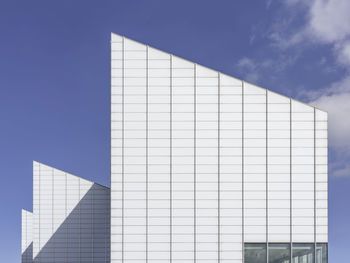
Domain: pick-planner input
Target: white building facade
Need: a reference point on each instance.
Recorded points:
(70, 220)
(209, 168)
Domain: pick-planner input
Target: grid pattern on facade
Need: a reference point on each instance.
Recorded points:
(71, 218)
(202, 162)
(27, 237)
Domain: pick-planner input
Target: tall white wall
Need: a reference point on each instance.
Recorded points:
(202, 162)
(321, 194)
(279, 164)
(254, 163)
(71, 218)
(181, 156)
(230, 169)
(303, 173)
(27, 237)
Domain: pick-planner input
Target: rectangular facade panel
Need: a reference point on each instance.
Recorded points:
(206, 165)
(303, 165)
(134, 165)
(321, 176)
(254, 165)
(36, 206)
(278, 163)
(182, 160)
(230, 170)
(117, 149)
(158, 108)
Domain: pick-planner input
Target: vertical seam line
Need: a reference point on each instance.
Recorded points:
(79, 222)
(243, 171)
(123, 245)
(110, 157)
(66, 195)
(146, 153)
(267, 183)
(315, 245)
(291, 180)
(219, 222)
(171, 157)
(195, 162)
(52, 212)
(92, 219)
(39, 247)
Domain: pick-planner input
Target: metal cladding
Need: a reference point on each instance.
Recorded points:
(202, 163)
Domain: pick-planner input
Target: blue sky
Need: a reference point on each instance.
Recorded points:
(54, 81)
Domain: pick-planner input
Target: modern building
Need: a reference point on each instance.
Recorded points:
(205, 168)
(70, 220)
(208, 168)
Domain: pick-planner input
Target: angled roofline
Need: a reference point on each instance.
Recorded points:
(25, 210)
(243, 81)
(72, 174)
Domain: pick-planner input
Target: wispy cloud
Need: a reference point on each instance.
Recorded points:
(251, 70)
(268, 3)
(254, 69)
(327, 22)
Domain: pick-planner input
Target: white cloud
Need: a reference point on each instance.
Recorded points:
(341, 169)
(249, 68)
(293, 2)
(246, 63)
(253, 70)
(268, 3)
(327, 22)
(344, 53)
(330, 20)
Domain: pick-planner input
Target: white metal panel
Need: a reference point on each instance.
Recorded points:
(252, 89)
(229, 81)
(321, 177)
(155, 53)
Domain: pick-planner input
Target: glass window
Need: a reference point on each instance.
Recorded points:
(279, 253)
(303, 253)
(321, 253)
(255, 253)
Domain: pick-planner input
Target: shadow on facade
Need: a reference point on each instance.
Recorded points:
(27, 255)
(84, 234)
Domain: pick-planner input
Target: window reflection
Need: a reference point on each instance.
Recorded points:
(321, 253)
(279, 253)
(255, 253)
(303, 253)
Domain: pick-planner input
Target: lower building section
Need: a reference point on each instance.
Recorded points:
(285, 253)
(27, 236)
(70, 220)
